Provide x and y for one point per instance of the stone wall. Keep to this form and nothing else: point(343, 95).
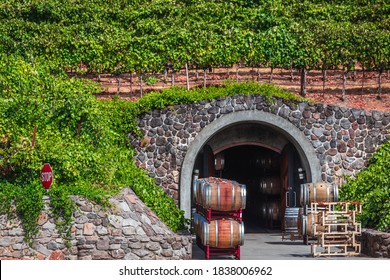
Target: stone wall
point(343, 138)
point(375, 244)
point(128, 230)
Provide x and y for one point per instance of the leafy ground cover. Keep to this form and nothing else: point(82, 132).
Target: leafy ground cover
point(47, 117)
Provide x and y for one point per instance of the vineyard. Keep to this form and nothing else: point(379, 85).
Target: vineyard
point(165, 36)
point(361, 89)
point(49, 113)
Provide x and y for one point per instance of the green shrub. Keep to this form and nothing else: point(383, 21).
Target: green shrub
point(176, 95)
point(93, 162)
point(372, 187)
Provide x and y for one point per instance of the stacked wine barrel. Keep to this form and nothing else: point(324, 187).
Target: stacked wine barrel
point(299, 222)
point(313, 193)
point(217, 221)
point(270, 190)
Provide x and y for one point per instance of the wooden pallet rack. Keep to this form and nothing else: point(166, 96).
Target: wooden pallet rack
point(336, 230)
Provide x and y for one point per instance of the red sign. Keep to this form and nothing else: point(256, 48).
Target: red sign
point(46, 176)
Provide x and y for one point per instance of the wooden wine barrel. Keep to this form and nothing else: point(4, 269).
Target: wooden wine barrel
point(263, 210)
point(222, 195)
point(270, 211)
point(267, 163)
point(223, 233)
point(318, 192)
point(198, 219)
point(309, 222)
point(273, 207)
point(197, 188)
point(270, 185)
point(291, 220)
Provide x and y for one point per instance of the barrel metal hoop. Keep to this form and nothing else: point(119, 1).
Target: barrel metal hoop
point(205, 233)
point(233, 195)
point(304, 225)
point(243, 196)
point(242, 229)
point(231, 233)
point(194, 187)
point(315, 193)
point(207, 195)
point(328, 193)
point(216, 233)
point(302, 196)
point(219, 196)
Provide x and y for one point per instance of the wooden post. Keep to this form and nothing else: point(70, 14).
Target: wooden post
point(118, 79)
point(78, 128)
point(131, 83)
point(345, 72)
point(271, 75)
point(173, 78)
point(204, 77)
point(291, 74)
point(187, 78)
point(34, 137)
point(165, 75)
point(140, 84)
point(380, 84)
point(323, 80)
point(303, 81)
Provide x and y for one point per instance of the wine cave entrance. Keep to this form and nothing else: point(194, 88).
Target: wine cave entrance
point(265, 161)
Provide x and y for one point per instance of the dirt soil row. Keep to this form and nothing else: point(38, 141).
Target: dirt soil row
point(360, 93)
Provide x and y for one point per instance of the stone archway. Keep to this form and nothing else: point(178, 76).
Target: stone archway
point(303, 146)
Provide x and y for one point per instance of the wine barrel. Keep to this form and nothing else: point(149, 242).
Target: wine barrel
point(273, 207)
point(222, 195)
point(270, 185)
point(309, 222)
point(291, 219)
point(223, 233)
point(196, 187)
point(267, 163)
point(270, 211)
point(198, 219)
point(318, 192)
point(263, 211)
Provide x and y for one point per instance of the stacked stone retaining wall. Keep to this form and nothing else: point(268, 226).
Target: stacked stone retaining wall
point(343, 138)
point(127, 230)
point(375, 244)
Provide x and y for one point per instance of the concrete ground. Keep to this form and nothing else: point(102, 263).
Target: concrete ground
point(270, 246)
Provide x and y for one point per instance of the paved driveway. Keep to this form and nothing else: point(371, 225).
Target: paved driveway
point(270, 246)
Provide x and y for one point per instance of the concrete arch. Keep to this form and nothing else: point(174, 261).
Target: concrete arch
point(304, 147)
